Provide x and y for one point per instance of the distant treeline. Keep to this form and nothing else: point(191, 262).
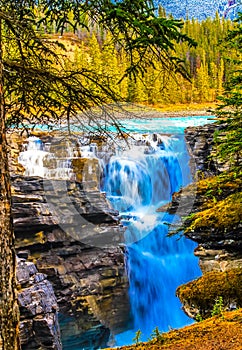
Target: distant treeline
point(206, 63)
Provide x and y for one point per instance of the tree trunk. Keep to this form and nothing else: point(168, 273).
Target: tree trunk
point(9, 315)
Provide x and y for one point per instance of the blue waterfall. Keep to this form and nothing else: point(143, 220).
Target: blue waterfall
point(138, 181)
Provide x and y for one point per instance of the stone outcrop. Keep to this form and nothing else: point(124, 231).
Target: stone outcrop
point(217, 250)
point(15, 142)
point(200, 143)
point(212, 294)
point(220, 250)
point(39, 326)
point(73, 237)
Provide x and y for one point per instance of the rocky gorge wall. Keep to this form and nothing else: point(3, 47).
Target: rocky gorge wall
point(72, 267)
point(219, 251)
point(219, 244)
point(39, 325)
point(216, 251)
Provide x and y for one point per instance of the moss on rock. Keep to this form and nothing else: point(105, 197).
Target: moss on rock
point(199, 296)
point(222, 215)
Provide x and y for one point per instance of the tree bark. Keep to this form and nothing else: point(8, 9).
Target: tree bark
point(9, 315)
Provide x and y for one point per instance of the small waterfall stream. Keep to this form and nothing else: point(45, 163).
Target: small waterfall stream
point(138, 180)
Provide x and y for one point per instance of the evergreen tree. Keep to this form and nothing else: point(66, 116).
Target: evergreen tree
point(230, 111)
point(110, 70)
point(203, 80)
point(220, 78)
point(94, 63)
point(206, 63)
point(36, 86)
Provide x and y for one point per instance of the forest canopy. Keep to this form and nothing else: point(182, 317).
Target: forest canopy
point(102, 56)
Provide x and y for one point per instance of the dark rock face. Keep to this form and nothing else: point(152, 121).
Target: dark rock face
point(39, 326)
point(200, 141)
point(76, 245)
point(217, 250)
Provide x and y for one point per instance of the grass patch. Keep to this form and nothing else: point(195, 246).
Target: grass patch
point(216, 333)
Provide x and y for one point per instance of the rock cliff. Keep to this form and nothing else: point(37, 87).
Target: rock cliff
point(39, 326)
point(69, 231)
point(201, 144)
point(89, 282)
point(214, 197)
point(219, 250)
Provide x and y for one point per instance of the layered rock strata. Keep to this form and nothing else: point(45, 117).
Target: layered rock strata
point(219, 250)
point(201, 145)
point(89, 282)
point(15, 145)
point(70, 232)
point(39, 325)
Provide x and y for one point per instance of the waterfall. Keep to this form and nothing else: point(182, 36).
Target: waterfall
point(53, 160)
point(137, 182)
point(139, 178)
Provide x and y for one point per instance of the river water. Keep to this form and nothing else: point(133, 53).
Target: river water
point(138, 179)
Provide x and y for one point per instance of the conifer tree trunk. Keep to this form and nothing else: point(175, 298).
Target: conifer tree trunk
point(8, 299)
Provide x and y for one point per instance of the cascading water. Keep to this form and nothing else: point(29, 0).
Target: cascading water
point(137, 182)
point(54, 160)
point(38, 160)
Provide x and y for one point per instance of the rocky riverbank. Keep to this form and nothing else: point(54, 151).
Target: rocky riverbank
point(217, 250)
point(69, 237)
